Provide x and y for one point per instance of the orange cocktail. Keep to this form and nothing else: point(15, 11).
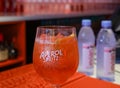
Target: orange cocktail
point(55, 56)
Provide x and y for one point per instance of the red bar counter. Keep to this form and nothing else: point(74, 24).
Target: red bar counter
point(26, 77)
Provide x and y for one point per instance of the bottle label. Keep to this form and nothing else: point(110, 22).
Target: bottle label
point(3, 55)
point(87, 56)
point(109, 60)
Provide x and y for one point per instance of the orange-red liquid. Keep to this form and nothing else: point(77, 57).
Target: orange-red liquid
point(59, 68)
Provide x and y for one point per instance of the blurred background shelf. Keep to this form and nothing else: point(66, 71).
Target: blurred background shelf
point(17, 31)
point(24, 17)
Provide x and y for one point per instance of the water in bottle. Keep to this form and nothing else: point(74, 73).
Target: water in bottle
point(86, 41)
point(106, 44)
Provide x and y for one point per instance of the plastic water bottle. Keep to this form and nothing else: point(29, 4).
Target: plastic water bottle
point(86, 41)
point(106, 44)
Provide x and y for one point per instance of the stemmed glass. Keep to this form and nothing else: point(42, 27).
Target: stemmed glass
point(55, 55)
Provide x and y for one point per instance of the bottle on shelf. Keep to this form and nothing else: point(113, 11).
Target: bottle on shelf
point(59, 5)
point(36, 7)
point(39, 6)
point(53, 6)
point(3, 49)
point(13, 6)
point(33, 7)
point(56, 6)
point(1, 6)
point(86, 41)
point(76, 5)
point(27, 7)
point(13, 51)
point(106, 44)
point(7, 6)
point(46, 6)
point(10, 6)
point(19, 7)
point(67, 6)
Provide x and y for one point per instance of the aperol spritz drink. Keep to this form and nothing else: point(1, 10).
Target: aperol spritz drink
point(55, 55)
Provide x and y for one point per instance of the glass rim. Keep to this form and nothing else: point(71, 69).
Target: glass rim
point(56, 26)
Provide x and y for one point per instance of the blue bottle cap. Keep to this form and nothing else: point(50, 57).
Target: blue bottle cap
point(106, 23)
point(86, 22)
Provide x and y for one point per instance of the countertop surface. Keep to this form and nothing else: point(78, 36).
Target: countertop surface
point(26, 77)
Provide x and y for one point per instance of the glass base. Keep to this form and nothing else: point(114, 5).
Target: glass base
point(56, 86)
